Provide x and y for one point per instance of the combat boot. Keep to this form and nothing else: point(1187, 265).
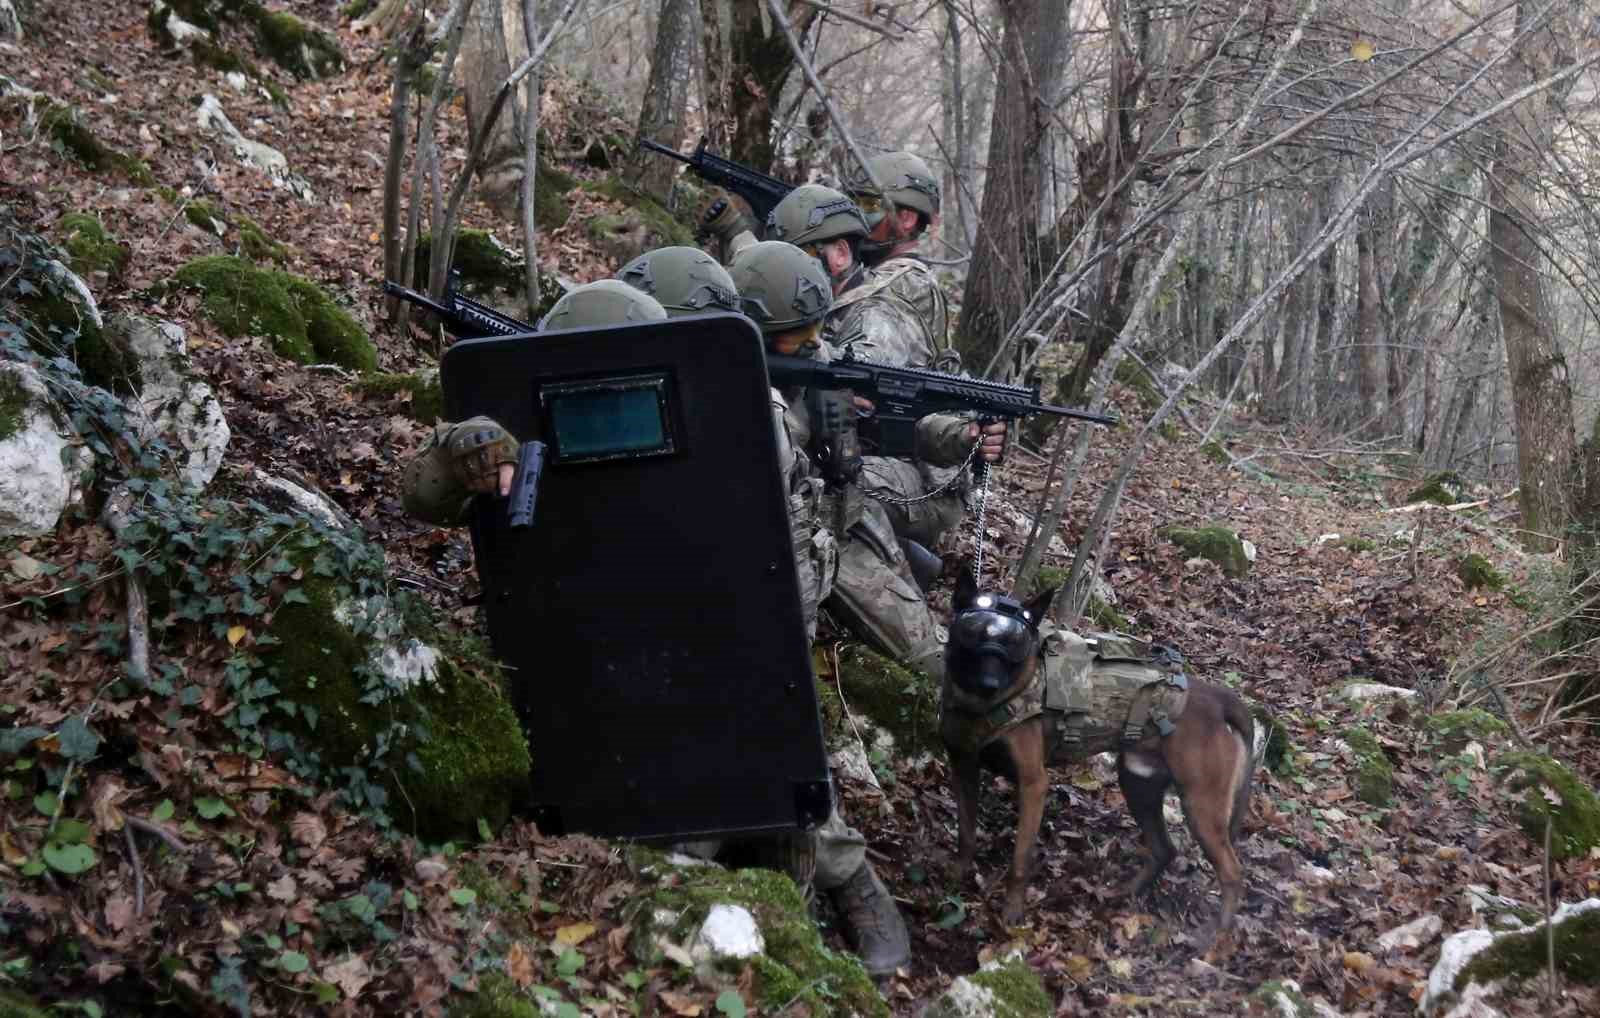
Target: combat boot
point(872, 923)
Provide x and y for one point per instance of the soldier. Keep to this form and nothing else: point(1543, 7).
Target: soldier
point(479, 456)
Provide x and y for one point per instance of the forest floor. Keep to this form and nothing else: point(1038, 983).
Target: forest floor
point(1326, 873)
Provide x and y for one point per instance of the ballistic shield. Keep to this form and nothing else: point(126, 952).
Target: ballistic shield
point(651, 615)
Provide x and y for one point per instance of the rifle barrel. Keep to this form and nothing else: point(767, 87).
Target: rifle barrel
point(656, 146)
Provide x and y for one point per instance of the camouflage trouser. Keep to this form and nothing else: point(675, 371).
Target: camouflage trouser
point(875, 595)
point(924, 522)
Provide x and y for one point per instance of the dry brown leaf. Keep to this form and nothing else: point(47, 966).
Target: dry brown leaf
point(105, 971)
point(119, 912)
point(1359, 961)
point(283, 889)
point(520, 964)
point(680, 1003)
point(350, 975)
point(309, 830)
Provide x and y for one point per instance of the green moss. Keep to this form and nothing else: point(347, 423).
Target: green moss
point(64, 126)
point(1017, 990)
point(427, 397)
point(91, 248)
point(1517, 957)
point(796, 967)
point(206, 216)
point(206, 53)
point(900, 701)
point(1552, 793)
point(497, 997)
point(242, 300)
point(1356, 544)
point(256, 245)
point(1105, 617)
point(66, 330)
point(1374, 774)
point(667, 230)
point(1170, 430)
point(488, 268)
point(297, 315)
point(1269, 995)
point(1453, 730)
point(1443, 488)
point(299, 48)
point(357, 8)
point(1214, 452)
point(1276, 756)
point(1476, 572)
point(473, 759)
point(495, 898)
point(1217, 544)
point(15, 1005)
point(1133, 375)
point(13, 403)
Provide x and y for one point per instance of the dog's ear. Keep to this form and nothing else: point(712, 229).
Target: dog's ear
point(1038, 606)
point(966, 587)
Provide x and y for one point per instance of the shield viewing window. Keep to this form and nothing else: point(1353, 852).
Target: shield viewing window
point(609, 418)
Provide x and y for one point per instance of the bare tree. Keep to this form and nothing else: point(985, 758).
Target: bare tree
point(666, 97)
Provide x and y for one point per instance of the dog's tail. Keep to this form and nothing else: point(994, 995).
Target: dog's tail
point(1238, 718)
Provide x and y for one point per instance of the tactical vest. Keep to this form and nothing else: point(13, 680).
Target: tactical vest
point(1111, 689)
point(908, 283)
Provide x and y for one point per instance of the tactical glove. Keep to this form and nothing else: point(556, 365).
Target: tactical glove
point(724, 219)
point(476, 448)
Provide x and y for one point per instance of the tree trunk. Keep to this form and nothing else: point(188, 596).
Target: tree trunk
point(1541, 391)
point(998, 281)
point(760, 62)
point(1369, 352)
point(486, 63)
point(715, 69)
point(666, 98)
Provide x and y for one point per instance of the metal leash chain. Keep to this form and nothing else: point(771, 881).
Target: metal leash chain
point(977, 533)
point(881, 494)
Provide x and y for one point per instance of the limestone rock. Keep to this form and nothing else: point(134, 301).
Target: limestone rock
point(172, 402)
point(729, 934)
point(1412, 935)
point(1474, 964)
point(35, 481)
point(10, 19)
point(309, 501)
point(1358, 692)
point(265, 158)
point(1282, 998)
point(1004, 988)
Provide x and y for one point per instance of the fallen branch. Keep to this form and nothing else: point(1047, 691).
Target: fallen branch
point(150, 827)
point(138, 870)
point(138, 607)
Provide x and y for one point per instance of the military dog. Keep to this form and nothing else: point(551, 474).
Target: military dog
point(995, 651)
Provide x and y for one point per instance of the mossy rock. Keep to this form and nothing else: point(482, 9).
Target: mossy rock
point(65, 329)
point(1214, 452)
point(1374, 774)
point(661, 224)
point(1282, 998)
point(301, 320)
point(497, 997)
point(1522, 956)
point(255, 245)
point(489, 271)
point(207, 216)
point(1133, 375)
point(1214, 543)
point(91, 248)
point(797, 968)
point(14, 401)
point(900, 701)
point(1453, 730)
point(472, 758)
point(1277, 757)
point(300, 48)
point(1552, 794)
point(1007, 990)
point(206, 14)
point(65, 127)
point(427, 396)
point(1478, 573)
point(1356, 544)
point(1444, 488)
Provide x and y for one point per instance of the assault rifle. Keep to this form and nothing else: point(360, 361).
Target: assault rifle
point(903, 396)
point(761, 191)
point(463, 317)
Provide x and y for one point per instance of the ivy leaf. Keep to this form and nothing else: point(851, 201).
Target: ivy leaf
point(163, 812)
point(72, 832)
point(210, 808)
point(77, 741)
point(484, 832)
point(731, 1004)
point(69, 859)
point(293, 962)
point(463, 896)
point(15, 740)
point(570, 962)
point(46, 803)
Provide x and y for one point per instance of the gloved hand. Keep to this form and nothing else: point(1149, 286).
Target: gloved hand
point(482, 454)
point(724, 219)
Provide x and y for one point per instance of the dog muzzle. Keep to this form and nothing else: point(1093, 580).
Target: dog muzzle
point(988, 643)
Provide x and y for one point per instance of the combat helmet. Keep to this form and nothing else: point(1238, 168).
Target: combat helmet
point(812, 213)
point(603, 302)
point(780, 286)
point(685, 280)
point(903, 178)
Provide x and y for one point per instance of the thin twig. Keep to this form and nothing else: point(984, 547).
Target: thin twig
point(838, 681)
point(138, 870)
point(173, 841)
point(822, 95)
point(854, 19)
point(1549, 921)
